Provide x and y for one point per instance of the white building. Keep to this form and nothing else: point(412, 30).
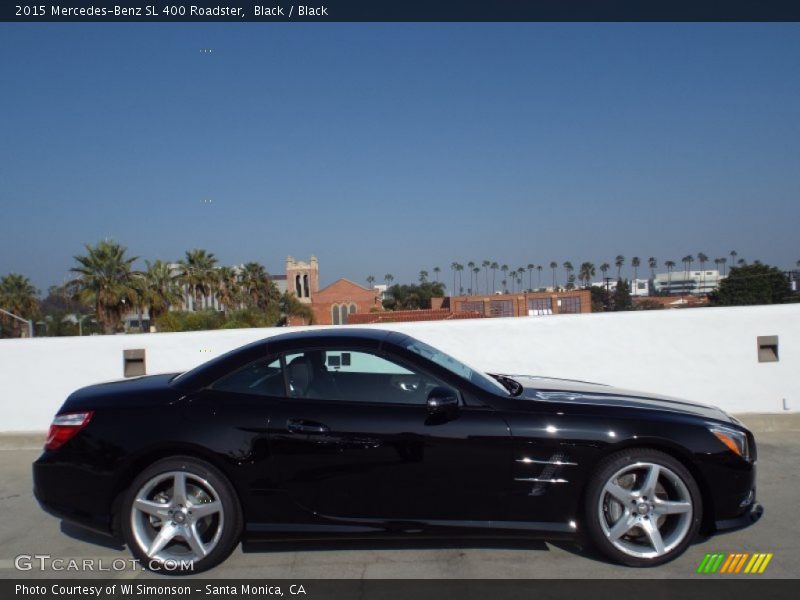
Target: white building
point(680, 282)
point(639, 287)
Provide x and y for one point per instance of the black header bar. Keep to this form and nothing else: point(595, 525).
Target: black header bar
point(153, 11)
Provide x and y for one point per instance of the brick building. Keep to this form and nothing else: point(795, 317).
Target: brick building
point(521, 305)
point(335, 304)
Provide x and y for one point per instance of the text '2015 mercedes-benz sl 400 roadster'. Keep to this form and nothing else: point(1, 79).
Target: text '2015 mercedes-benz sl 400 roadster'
point(366, 432)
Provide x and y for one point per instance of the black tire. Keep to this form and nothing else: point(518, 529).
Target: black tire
point(230, 523)
point(594, 511)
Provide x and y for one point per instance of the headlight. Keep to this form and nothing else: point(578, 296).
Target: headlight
point(734, 440)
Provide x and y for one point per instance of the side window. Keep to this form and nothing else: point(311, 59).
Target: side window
point(356, 376)
point(263, 377)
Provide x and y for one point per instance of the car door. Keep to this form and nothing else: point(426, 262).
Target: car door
point(353, 440)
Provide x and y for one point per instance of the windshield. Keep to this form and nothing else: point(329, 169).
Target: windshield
point(455, 366)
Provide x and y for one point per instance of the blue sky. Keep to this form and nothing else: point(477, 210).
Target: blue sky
point(388, 148)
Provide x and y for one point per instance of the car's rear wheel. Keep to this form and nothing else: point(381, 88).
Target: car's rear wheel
point(181, 516)
point(643, 507)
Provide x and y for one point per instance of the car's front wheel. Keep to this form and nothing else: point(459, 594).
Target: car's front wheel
point(181, 516)
point(643, 507)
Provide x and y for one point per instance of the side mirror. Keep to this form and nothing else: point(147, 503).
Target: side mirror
point(443, 400)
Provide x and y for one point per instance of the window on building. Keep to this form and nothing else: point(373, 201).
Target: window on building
point(471, 306)
point(336, 318)
point(501, 308)
point(263, 377)
point(570, 304)
point(540, 306)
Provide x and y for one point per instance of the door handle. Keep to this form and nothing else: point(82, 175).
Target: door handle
point(304, 426)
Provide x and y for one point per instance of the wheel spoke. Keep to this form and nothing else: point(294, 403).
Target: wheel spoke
point(194, 541)
point(619, 493)
point(671, 507)
point(654, 535)
point(621, 527)
point(206, 509)
point(165, 535)
point(651, 481)
point(179, 488)
point(155, 509)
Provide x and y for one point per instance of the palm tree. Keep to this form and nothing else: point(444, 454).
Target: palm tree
point(635, 262)
point(504, 270)
point(197, 270)
point(163, 291)
point(568, 268)
point(388, 278)
point(460, 269)
point(733, 254)
point(18, 296)
point(423, 276)
point(702, 259)
point(530, 269)
point(476, 269)
point(471, 267)
point(538, 276)
point(371, 280)
point(619, 261)
point(486, 264)
point(436, 271)
point(687, 266)
point(653, 264)
point(586, 273)
point(604, 269)
point(721, 261)
point(670, 264)
point(494, 266)
point(554, 266)
point(105, 281)
point(256, 285)
point(228, 288)
point(454, 267)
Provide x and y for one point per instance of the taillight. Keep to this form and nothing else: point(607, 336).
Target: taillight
point(64, 428)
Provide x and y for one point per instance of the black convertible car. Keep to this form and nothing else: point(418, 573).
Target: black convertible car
point(368, 432)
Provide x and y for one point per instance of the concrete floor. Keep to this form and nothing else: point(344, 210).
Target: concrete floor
point(25, 529)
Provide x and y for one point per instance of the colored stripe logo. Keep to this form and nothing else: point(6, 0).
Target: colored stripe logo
point(735, 563)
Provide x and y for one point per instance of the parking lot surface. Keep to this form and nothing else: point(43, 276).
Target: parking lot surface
point(26, 530)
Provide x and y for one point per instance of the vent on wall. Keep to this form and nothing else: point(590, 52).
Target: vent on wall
point(134, 363)
point(768, 348)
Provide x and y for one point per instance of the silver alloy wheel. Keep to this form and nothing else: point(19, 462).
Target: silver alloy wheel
point(177, 516)
point(645, 510)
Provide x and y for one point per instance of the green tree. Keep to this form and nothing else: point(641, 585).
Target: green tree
point(471, 267)
point(636, 263)
point(553, 267)
point(18, 296)
point(412, 296)
point(371, 280)
point(423, 276)
point(752, 284)
point(486, 264)
point(105, 281)
point(494, 266)
point(163, 290)
point(621, 298)
point(586, 273)
point(619, 261)
point(670, 264)
point(198, 271)
point(601, 299)
point(653, 264)
point(436, 271)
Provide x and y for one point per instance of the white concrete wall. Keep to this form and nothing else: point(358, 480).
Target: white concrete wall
point(707, 355)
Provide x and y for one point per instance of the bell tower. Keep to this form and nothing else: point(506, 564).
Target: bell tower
point(302, 278)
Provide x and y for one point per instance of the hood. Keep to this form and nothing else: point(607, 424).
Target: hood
point(597, 394)
point(149, 390)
